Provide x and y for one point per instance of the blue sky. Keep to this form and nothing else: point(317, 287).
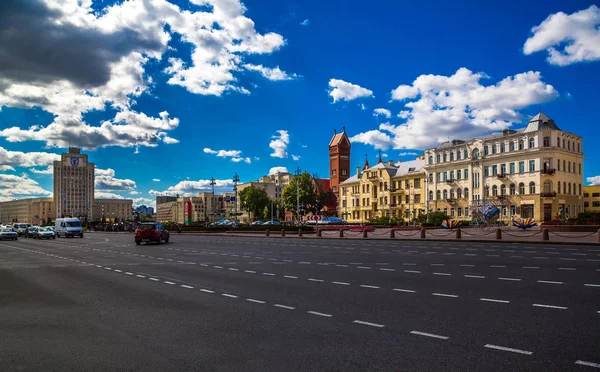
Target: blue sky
point(165, 96)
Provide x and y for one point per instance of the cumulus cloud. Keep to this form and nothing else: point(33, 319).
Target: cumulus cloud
point(107, 195)
point(155, 180)
point(273, 74)
point(276, 170)
point(408, 154)
point(239, 159)
point(296, 157)
point(18, 187)
point(144, 201)
point(105, 181)
point(134, 192)
point(10, 159)
point(382, 112)
point(457, 106)
point(341, 90)
point(305, 23)
point(69, 58)
point(191, 188)
point(235, 155)
point(47, 170)
point(279, 144)
point(567, 38)
point(594, 181)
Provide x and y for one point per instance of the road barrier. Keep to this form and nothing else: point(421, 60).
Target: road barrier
point(299, 233)
point(392, 234)
point(268, 232)
point(545, 235)
point(498, 234)
point(282, 232)
point(341, 233)
point(422, 233)
point(458, 234)
point(365, 234)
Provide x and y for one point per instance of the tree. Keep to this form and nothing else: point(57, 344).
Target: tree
point(307, 193)
point(433, 218)
point(254, 199)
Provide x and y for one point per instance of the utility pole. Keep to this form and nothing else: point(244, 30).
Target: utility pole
point(271, 209)
point(212, 200)
point(236, 180)
point(298, 196)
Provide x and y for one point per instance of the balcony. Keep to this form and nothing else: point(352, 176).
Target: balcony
point(548, 195)
point(548, 171)
point(502, 176)
point(450, 181)
point(501, 197)
point(450, 200)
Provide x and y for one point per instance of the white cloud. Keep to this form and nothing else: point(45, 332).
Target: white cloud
point(47, 170)
point(134, 193)
point(191, 188)
point(239, 159)
point(568, 38)
point(273, 74)
point(223, 153)
point(144, 201)
point(305, 23)
point(155, 180)
point(10, 159)
point(105, 181)
point(107, 195)
point(296, 157)
point(17, 187)
point(276, 170)
point(408, 154)
point(102, 58)
point(279, 144)
point(594, 181)
point(458, 106)
point(383, 112)
point(256, 158)
point(344, 91)
point(362, 107)
point(384, 155)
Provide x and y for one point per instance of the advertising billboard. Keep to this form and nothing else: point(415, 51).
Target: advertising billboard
point(187, 213)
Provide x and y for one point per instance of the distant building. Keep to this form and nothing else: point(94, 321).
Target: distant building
point(202, 208)
point(272, 184)
point(591, 199)
point(165, 199)
point(74, 185)
point(113, 210)
point(36, 211)
point(143, 209)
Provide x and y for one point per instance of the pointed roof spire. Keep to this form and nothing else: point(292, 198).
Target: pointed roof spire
point(366, 166)
point(379, 161)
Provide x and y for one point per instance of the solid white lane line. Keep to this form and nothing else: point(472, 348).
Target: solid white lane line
point(315, 280)
point(403, 290)
point(510, 279)
point(474, 276)
point(494, 300)
point(409, 264)
point(154, 279)
point(228, 295)
point(218, 267)
point(290, 277)
point(592, 285)
point(412, 271)
point(368, 323)
point(304, 263)
point(550, 306)
point(386, 269)
point(443, 274)
point(284, 307)
point(490, 346)
point(207, 291)
point(187, 286)
point(166, 282)
point(341, 283)
point(255, 301)
point(369, 286)
point(566, 259)
point(429, 335)
point(549, 282)
point(319, 314)
point(588, 364)
point(342, 266)
point(98, 266)
point(444, 295)
point(140, 276)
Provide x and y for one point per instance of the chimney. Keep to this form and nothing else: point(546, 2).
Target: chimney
point(358, 171)
point(391, 162)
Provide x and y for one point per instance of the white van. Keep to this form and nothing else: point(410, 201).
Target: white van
point(68, 227)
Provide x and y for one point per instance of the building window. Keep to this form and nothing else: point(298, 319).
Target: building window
point(532, 187)
point(458, 155)
point(467, 154)
point(513, 210)
point(586, 204)
point(445, 157)
point(512, 189)
point(438, 195)
point(476, 180)
point(596, 204)
point(512, 168)
point(569, 145)
point(431, 160)
point(503, 190)
point(547, 187)
point(494, 190)
point(445, 193)
point(458, 174)
point(459, 193)
point(531, 142)
point(503, 169)
point(417, 198)
point(407, 183)
point(569, 163)
point(407, 199)
point(527, 211)
point(438, 158)
point(494, 170)
point(580, 189)
point(466, 193)
point(344, 172)
point(558, 188)
point(486, 150)
point(521, 167)
point(476, 154)
point(451, 193)
point(502, 147)
point(579, 168)
point(564, 147)
point(466, 174)
point(546, 141)
point(532, 165)
point(521, 188)
point(569, 189)
point(511, 146)
point(578, 147)
point(486, 191)
point(459, 211)
point(438, 177)
point(452, 156)
point(494, 146)
point(486, 171)
point(451, 212)
point(430, 195)
point(333, 171)
point(521, 145)
point(451, 175)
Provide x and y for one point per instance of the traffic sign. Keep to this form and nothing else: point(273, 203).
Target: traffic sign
point(228, 199)
point(314, 218)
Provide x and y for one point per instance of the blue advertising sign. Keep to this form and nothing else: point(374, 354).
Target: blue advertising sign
point(489, 211)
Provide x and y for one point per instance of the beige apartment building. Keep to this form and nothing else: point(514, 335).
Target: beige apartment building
point(273, 186)
point(204, 207)
point(74, 185)
point(113, 210)
point(591, 199)
point(35, 211)
point(387, 189)
point(533, 172)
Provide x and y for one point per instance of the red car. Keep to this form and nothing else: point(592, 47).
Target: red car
point(151, 232)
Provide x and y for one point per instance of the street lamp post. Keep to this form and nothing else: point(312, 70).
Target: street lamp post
point(212, 200)
point(236, 180)
point(391, 190)
point(298, 196)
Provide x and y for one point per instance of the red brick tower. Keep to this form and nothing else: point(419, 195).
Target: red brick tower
point(339, 160)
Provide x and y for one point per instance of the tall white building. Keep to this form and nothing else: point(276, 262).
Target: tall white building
point(74, 185)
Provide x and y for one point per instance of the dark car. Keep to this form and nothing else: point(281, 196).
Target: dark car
point(44, 233)
point(31, 231)
point(151, 232)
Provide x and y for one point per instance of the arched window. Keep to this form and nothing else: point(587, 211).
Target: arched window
point(430, 195)
point(459, 193)
point(486, 191)
point(569, 145)
point(512, 189)
point(458, 155)
point(466, 154)
point(558, 188)
point(475, 154)
point(502, 147)
point(452, 156)
point(494, 190)
point(438, 195)
point(521, 188)
point(532, 187)
point(546, 141)
point(445, 194)
point(564, 147)
point(431, 160)
point(511, 146)
point(503, 190)
point(521, 145)
point(445, 157)
point(451, 193)
point(531, 142)
point(466, 193)
point(558, 143)
point(547, 186)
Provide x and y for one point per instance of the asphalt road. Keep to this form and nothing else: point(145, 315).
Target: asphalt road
point(216, 303)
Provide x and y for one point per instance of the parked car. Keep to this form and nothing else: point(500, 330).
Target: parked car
point(7, 233)
point(53, 230)
point(272, 223)
point(31, 231)
point(21, 228)
point(68, 227)
point(44, 233)
point(256, 223)
point(151, 232)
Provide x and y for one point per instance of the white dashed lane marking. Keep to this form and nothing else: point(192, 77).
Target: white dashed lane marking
point(444, 295)
point(368, 323)
point(550, 306)
point(319, 314)
point(284, 307)
point(432, 335)
point(494, 300)
point(341, 283)
point(490, 346)
point(588, 364)
point(549, 282)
